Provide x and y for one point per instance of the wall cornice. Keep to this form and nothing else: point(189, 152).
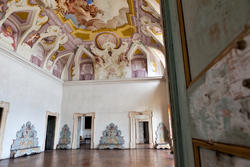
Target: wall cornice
point(116, 81)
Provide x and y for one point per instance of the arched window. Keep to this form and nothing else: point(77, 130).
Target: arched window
point(139, 64)
point(86, 68)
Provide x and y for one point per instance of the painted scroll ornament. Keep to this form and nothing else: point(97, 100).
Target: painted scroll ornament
point(65, 138)
point(111, 138)
point(26, 142)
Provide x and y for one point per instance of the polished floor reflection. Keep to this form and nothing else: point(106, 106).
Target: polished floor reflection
point(94, 158)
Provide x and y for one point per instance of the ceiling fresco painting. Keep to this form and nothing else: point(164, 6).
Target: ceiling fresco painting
point(86, 39)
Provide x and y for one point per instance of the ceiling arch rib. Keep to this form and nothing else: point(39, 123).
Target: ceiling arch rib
point(77, 60)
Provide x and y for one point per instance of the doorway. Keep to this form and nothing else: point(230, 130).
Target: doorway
point(142, 135)
point(50, 133)
point(141, 130)
point(4, 109)
point(1, 114)
point(83, 135)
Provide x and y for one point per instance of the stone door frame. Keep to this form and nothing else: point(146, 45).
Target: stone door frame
point(75, 125)
point(133, 126)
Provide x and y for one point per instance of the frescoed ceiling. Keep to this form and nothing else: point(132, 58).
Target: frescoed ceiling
point(86, 39)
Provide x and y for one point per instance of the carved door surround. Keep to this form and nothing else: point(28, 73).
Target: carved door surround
point(74, 139)
point(5, 106)
point(134, 120)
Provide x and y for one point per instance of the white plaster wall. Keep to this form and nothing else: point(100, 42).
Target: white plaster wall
point(31, 93)
point(112, 101)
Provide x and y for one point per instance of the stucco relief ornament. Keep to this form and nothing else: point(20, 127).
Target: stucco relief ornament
point(111, 62)
point(49, 40)
point(149, 27)
point(111, 138)
point(154, 10)
point(21, 5)
point(26, 142)
point(65, 139)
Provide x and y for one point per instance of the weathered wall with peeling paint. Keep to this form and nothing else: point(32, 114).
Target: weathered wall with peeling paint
point(210, 26)
point(220, 105)
point(215, 159)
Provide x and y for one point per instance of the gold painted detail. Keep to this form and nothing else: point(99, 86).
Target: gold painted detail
point(53, 57)
point(155, 66)
point(138, 52)
point(72, 71)
point(155, 32)
point(22, 15)
point(61, 48)
point(153, 40)
point(85, 56)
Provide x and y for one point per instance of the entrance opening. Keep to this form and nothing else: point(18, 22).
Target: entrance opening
point(141, 132)
point(142, 135)
point(1, 114)
point(145, 133)
point(50, 135)
point(85, 132)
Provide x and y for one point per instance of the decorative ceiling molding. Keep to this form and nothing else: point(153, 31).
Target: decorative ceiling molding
point(152, 29)
point(152, 7)
point(43, 34)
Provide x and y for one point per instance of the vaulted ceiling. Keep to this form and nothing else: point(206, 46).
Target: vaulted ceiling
point(86, 39)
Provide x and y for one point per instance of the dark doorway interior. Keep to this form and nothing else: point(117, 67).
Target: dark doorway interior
point(85, 139)
point(145, 132)
point(88, 121)
point(1, 116)
point(143, 135)
point(50, 135)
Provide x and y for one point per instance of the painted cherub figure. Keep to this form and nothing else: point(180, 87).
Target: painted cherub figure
point(92, 8)
point(2, 13)
point(32, 39)
point(8, 34)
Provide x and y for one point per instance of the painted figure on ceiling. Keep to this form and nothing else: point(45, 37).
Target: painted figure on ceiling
point(83, 10)
point(32, 39)
point(2, 12)
point(8, 35)
point(91, 14)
